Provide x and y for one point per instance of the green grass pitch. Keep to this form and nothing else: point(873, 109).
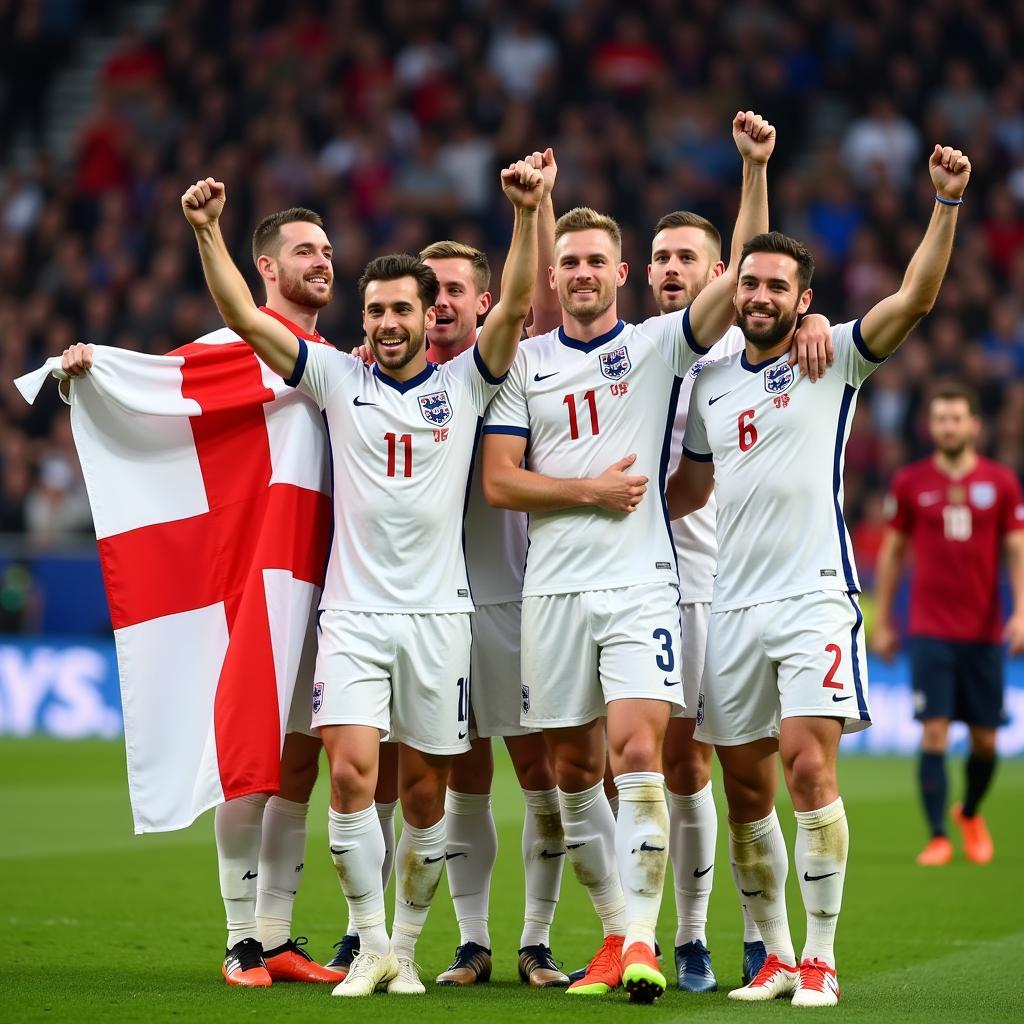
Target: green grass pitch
point(96, 924)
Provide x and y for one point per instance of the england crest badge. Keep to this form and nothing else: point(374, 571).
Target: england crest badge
point(526, 698)
point(778, 378)
point(436, 408)
point(318, 697)
point(615, 365)
point(982, 494)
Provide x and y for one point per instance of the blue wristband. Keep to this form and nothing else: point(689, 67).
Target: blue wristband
point(948, 202)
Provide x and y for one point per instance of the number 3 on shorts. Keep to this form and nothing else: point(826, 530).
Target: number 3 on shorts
point(666, 662)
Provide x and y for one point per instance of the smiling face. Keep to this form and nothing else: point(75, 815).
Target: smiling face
point(459, 304)
point(396, 325)
point(683, 261)
point(768, 299)
point(300, 272)
point(587, 273)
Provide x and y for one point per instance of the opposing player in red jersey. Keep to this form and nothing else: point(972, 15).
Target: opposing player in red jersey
point(958, 511)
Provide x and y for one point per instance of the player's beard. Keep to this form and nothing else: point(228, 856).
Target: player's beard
point(766, 334)
point(672, 302)
point(952, 450)
point(295, 289)
point(587, 313)
point(400, 358)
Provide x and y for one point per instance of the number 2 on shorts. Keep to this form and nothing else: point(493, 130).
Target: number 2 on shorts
point(837, 656)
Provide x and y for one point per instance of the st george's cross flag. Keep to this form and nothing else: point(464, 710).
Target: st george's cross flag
point(209, 485)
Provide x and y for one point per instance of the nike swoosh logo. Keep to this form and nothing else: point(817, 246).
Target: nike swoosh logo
point(462, 735)
point(711, 401)
point(548, 855)
point(432, 860)
point(249, 875)
point(338, 853)
point(668, 683)
point(755, 892)
point(452, 856)
point(836, 698)
point(574, 846)
point(646, 847)
point(539, 377)
point(701, 874)
point(356, 401)
point(818, 878)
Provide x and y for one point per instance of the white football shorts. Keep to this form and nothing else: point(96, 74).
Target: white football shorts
point(497, 679)
point(802, 656)
point(582, 651)
point(693, 629)
point(406, 675)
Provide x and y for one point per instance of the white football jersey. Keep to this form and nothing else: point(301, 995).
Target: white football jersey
point(694, 535)
point(401, 453)
point(583, 406)
point(778, 443)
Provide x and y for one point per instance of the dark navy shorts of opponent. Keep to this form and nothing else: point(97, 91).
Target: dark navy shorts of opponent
point(957, 680)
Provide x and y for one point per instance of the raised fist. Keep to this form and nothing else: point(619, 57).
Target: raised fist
point(950, 171)
point(203, 202)
point(545, 163)
point(523, 184)
point(754, 136)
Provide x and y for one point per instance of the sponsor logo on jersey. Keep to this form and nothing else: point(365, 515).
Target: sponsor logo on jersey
point(526, 699)
point(926, 498)
point(778, 378)
point(436, 408)
point(982, 494)
point(615, 364)
point(318, 697)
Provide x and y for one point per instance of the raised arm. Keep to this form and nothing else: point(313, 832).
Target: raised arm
point(202, 204)
point(886, 325)
point(547, 313)
point(689, 486)
point(712, 311)
point(888, 569)
point(1013, 634)
point(499, 339)
point(507, 485)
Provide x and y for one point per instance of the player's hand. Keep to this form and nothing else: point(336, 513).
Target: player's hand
point(812, 346)
point(203, 202)
point(950, 171)
point(1013, 634)
point(616, 491)
point(76, 360)
point(545, 163)
point(754, 136)
point(885, 641)
point(365, 353)
point(523, 184)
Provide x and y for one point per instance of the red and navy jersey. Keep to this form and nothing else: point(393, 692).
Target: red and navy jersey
point(956, 529)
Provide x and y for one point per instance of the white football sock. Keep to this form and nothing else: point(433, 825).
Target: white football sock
point(282, 853)
point(751, 933)
point(822, 846)
point(589, 829)
point(470, 856)
point(761, 863)
point(357, 849)
point(543, 854)
point(613, 803)
point(420, 858)
point(693, 834)
point(237, 826)
point(641, 849)
point(386, 816)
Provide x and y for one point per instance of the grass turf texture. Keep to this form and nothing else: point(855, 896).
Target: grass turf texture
point(98, 924)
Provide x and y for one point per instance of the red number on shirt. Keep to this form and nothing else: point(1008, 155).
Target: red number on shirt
point(574, 429)
point(748, 432)
point(837, 656)
point(393, 442)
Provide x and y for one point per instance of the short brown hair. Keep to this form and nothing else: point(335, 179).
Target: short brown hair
point(266, 239)
point(952, 390)
point(394, 267)
point(686, 219)
point(777, 242)
point(582, 218)
point(448, 250)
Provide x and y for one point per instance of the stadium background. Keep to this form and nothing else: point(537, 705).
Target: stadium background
point(392, 118)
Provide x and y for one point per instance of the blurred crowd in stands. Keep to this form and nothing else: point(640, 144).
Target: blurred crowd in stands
point(393, 117)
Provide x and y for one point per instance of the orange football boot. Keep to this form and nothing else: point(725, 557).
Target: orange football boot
point(939, 851)
point(978, 845)
point(604, 972)
point(243, 965)
point(291, 962)
point(641, 974)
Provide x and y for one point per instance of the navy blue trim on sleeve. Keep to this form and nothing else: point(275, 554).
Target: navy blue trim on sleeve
point(494, 428)
point(697, 456)
point(482, 367)
point(862, 345)
point(300, 364)
point(688, 334)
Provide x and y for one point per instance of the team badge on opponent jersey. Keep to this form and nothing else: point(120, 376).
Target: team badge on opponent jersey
point(982, 494)
point(318, 697)
point(615, 364)
point(436, 408)
point(778, 378)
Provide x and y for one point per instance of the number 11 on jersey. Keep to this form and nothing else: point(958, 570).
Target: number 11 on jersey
point(405, 440)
